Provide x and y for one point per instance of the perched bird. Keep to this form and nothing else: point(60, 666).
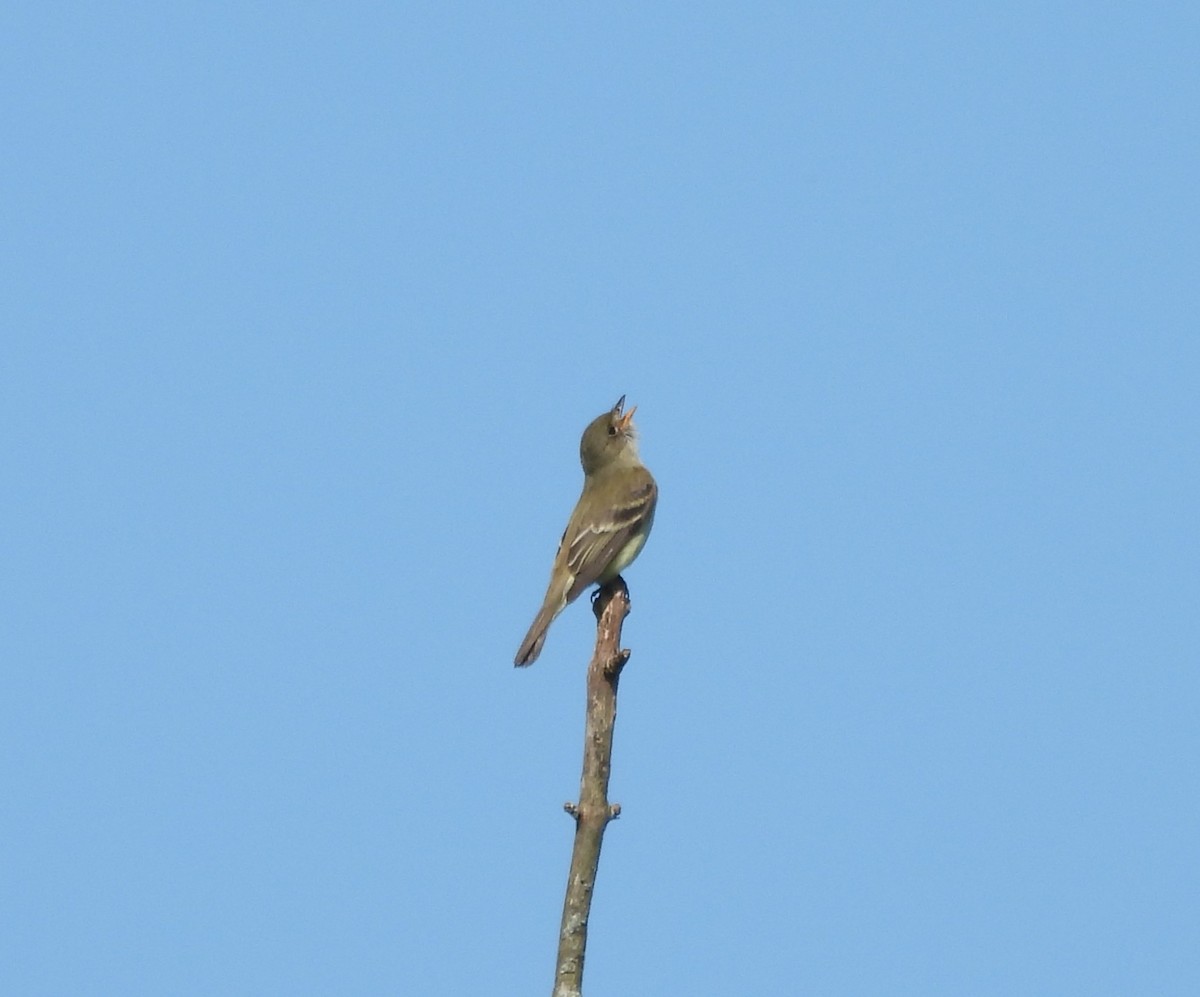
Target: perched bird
point(609, 526)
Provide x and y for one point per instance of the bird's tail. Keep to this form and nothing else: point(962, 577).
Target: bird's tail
point(531, 646)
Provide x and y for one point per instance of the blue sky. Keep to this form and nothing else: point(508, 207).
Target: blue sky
point(305, 307)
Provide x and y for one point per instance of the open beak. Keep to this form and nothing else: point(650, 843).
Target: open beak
point(623, 420)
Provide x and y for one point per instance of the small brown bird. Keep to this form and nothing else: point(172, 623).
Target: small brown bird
point(609, 526)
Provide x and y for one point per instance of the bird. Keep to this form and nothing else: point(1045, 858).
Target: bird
point(610, 523)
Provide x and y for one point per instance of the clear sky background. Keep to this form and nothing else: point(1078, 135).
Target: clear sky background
point(304, 309)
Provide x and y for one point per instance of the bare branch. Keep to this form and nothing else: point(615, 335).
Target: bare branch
point(593, 812)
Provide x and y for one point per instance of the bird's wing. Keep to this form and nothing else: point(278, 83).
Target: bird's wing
point(591, 546)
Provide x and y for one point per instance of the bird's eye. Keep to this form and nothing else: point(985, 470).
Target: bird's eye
point(612, 430)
